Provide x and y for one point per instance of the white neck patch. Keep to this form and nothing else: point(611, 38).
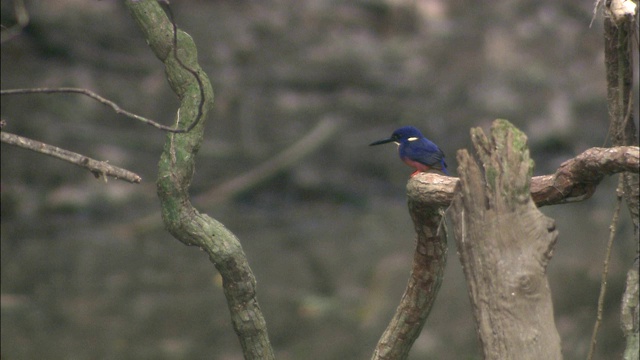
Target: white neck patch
point(413, 138)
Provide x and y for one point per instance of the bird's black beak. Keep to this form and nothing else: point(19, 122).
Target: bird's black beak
point(383, 141)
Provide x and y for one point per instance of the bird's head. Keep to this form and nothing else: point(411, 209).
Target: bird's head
point(401, 135)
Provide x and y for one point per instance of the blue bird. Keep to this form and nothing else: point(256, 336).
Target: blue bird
point(416, 150)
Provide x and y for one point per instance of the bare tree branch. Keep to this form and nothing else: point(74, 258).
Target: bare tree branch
point(96, 97)
point(291, 155)
point(23, 18)
point(98, 168)
point(575, 180)
point(605, 269)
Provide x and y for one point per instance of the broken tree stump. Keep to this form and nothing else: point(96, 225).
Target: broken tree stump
point(504, 244)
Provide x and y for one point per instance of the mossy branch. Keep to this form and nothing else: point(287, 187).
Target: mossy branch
point(175, 171)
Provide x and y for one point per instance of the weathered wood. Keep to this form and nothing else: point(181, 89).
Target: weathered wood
point(620, 34)
point(429, 260)
point(504, 244)
point(575, 180)
point(618, 49)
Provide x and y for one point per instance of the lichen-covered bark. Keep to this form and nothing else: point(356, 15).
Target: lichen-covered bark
point(175, 171)
point(504, 244)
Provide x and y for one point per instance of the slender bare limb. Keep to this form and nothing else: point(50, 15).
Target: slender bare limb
point(94, 96)
point(291, 155)
point(280, 162)
point(98, 168)
point(605, 271)
point(23, 18)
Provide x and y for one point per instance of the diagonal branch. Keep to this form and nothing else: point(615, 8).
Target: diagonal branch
point(97, 167)
point(317, 137)
point(94, 96)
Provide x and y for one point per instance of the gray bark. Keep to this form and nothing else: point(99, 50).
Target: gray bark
point(505, 244)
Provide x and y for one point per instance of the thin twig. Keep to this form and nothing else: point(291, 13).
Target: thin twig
point(115, 106)
point(318, 136)
point(94, 96)
point(605, 271)
point(97, 167)
point(280, 162)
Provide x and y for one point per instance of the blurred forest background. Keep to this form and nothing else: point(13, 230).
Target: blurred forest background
point(329, 238)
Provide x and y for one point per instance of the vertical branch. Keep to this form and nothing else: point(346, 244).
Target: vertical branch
point(175, 172)
point(504, 244)
point(620, 29)
point(605, 271)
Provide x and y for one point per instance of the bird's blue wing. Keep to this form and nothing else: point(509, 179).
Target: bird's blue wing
point(426, 152)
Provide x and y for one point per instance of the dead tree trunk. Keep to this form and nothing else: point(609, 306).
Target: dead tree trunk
point(505, 243)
